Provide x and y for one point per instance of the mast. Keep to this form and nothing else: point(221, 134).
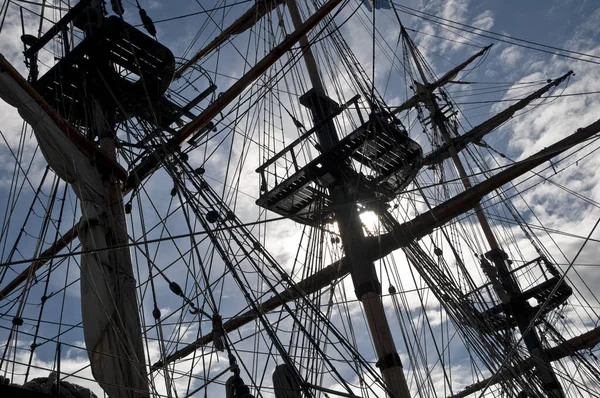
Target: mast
point(451, 74)
point(503, 282)
point(125, 323)
point(362, 269)
point(116, 349)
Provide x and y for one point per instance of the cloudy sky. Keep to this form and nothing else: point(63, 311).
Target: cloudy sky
point(560, 203)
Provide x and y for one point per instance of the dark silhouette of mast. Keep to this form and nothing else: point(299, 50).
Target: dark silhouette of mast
point(364, 276)
point(498, 271)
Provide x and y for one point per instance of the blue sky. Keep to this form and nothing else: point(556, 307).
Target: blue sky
point(566, 24)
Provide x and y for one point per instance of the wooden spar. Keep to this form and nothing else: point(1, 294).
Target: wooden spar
point(307, 54)
point(565, 349)
point(228, 96)
point(362, 269)
point(247, 20)
point(312, 284)
point(478, 132)
point(203, 119)
point(503, 283)
point(28, 272)
point(402, 236)
point(254, 73)
point(414, 100)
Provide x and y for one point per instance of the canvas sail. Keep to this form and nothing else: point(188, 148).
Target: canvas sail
point(110, 316)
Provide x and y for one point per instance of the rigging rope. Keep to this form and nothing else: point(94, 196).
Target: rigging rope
point(496, 36)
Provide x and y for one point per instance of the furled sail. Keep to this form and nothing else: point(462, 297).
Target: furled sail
point(109, 307)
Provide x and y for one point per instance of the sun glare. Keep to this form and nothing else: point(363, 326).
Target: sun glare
point(370, 221)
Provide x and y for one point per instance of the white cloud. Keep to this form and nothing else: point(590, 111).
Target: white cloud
point(485, 20)
point(510, 56)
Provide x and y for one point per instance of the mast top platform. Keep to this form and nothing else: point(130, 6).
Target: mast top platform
point(550, 294)
point(381, 149)
point(125, 70)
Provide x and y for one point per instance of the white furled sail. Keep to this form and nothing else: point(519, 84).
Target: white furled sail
point(109, 306)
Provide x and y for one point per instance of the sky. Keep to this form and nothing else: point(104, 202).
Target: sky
point(566, 201)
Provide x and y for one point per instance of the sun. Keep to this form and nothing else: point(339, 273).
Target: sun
point(370, 221)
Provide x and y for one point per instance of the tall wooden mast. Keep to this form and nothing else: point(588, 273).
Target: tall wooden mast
point(502, 280)
point(362, 269)
point(126, 322)
point(89, 87)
